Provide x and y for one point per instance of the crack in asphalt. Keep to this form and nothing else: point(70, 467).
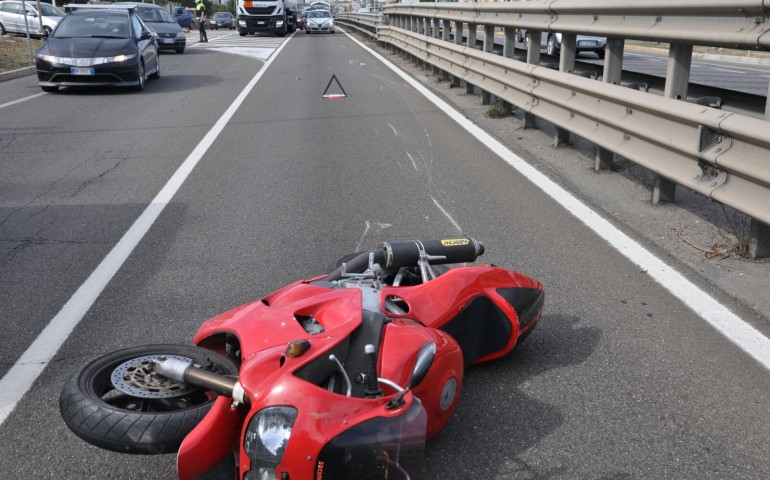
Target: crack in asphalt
point(29, 242)
point(96, 156)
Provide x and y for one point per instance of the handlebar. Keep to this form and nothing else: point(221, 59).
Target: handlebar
point(406, 253)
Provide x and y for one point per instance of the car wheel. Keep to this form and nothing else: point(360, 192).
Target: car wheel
point(2, 29)
point(50, 89)
point(552, 48)
point(156, 75)
point(243, 34)
point(140, 87)
point(47, 30)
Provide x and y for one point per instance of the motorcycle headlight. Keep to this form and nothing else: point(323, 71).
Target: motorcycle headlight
point(265, 441)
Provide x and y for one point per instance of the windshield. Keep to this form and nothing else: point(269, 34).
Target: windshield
point(50, 10)
point(154, 15)
point(377, 449)
point(221, 15)
point(97, 25)
point(318, 14)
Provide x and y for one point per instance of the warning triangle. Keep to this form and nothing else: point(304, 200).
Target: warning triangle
point(334, 93)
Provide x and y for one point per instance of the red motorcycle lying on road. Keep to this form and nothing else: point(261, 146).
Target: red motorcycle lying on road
point(339, 376)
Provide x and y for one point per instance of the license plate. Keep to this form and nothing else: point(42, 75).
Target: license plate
point(168, 40)
point(587, 43)
point(82, 71)
point(260, 22)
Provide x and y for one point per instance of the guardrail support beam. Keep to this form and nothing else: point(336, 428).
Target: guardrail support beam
point(678, 71)
point(472, 35)
point(759, 240)
point(613, 69)
point(533, 57)
point(458, 33)
point(663, 191)
point(566, 65)
point(509, 44)
point(489, 38)
point(767, 105)
point(677, 83)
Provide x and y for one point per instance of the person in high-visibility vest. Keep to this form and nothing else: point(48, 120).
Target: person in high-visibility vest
point(200, 10)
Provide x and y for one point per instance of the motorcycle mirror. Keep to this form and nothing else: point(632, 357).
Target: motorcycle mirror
point(421, 366)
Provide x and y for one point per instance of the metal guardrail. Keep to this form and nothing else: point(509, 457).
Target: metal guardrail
point(720, 23)
point(722, 155)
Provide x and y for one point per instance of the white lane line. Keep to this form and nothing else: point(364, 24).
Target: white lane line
point(22, 100)
point(30, 365)
point(746, 337)
point(394, 129)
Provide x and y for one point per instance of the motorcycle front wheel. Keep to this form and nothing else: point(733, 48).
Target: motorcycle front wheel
point(118, 403)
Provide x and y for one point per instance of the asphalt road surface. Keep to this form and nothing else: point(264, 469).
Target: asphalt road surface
point(620, 380)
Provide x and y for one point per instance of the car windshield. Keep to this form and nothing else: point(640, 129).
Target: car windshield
point(50, 11)
point(97, 25)
point(221, 15)
point(154, 15)
point(318, 14)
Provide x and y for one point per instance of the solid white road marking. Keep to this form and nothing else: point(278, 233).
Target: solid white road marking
point(22, 100)
point(30, 365)
point(746, 337)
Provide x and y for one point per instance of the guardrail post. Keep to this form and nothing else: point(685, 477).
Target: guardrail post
point(446, 27)
point(458, 33)
point(767, 105)
point(509, 44)
point(567, 65)
point(489, 44)
point(677, 82)
point(489, 38)
point(533, 57)
point(458, 39)
point(759, 239)
point(613, 68)
point(472, 35)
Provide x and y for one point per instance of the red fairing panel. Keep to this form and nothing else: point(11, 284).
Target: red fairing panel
point(440, 389)
point(211, 440)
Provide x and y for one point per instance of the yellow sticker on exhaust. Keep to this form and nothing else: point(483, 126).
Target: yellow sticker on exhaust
point(454, 242)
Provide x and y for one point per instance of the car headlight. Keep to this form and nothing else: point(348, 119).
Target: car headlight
point(266, 439)
point(180, 34)
point(279, 23)
point(241, 23)
point(85, 62)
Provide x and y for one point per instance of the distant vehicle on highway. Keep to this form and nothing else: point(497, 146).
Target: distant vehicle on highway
point(222, 20)
point(12, 17)
point(319, 21)
point(164, 28)
point(552, 43)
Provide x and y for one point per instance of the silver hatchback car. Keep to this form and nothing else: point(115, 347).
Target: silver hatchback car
point(12, 17)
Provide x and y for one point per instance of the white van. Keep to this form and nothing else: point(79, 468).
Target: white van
point(12, 17)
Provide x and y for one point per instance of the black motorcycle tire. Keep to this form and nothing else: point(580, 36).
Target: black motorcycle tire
point(134, 425)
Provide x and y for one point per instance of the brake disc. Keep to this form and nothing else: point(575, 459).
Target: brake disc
point(137, 378)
